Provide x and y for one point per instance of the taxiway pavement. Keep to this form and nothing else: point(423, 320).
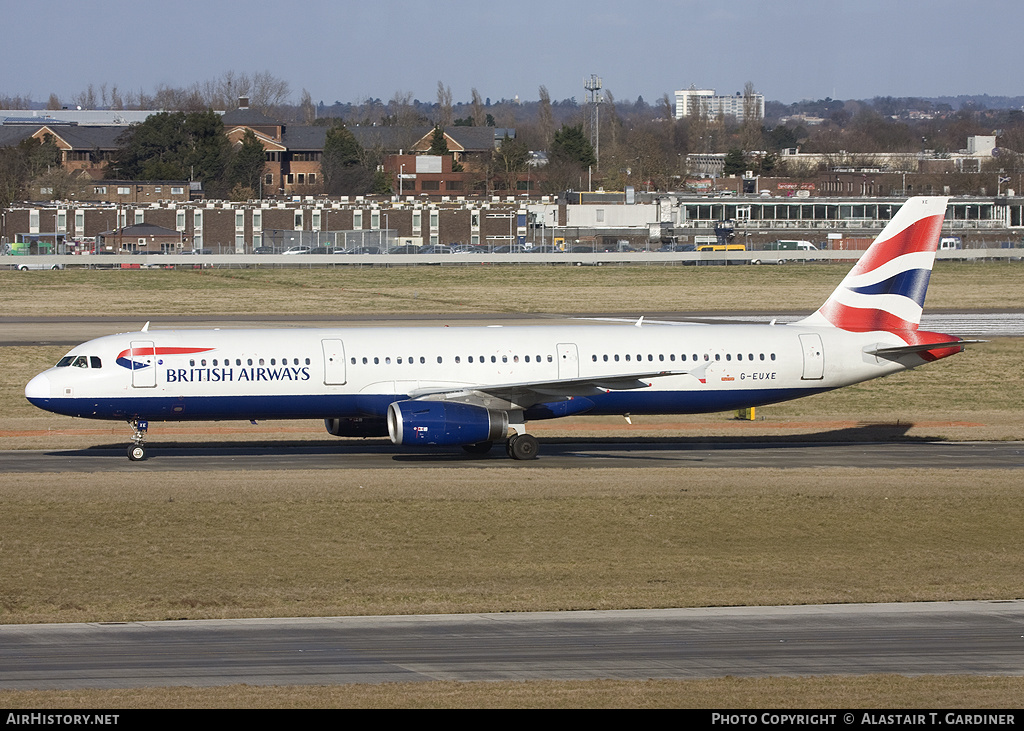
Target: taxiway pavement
point(970, 638)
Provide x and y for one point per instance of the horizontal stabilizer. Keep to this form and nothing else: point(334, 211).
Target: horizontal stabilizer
point(920, 347)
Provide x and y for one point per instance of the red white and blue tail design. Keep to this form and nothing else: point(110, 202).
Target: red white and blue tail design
point(887, 287)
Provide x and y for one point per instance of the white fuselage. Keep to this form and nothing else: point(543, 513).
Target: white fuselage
point(358, 372)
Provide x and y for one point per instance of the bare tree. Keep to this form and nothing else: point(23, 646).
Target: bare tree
point(610, 121)
point(268, 92)
point(86, 99)
point(401, 110)
point(176, 99)
point(479, 115)
point(265, 92)
point(444, 105)
point(750, 131)
point(544, 118)
point(667, 107)
point(307, 110)
point(15, 102)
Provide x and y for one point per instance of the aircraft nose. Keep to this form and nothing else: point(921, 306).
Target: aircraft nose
point(38, 387)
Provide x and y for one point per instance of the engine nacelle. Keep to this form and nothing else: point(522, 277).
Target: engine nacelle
point(444, 423)
point(357, 426)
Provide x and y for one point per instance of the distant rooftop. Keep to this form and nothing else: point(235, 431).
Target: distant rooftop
point(91, 117)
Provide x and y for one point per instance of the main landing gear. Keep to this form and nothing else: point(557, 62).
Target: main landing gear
point(522, 446)
point(518, 446)
point(137, 450)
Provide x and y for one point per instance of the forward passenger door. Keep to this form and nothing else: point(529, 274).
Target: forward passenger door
point(334, 362)
point(143, 360)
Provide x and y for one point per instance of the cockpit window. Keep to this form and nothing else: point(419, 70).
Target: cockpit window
point(80, 361)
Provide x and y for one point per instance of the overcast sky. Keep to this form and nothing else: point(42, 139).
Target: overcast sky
point(348, 51)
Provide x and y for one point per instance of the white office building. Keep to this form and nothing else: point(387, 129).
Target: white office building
point(693, 102)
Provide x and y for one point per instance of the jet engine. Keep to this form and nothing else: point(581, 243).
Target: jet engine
point(444, 423)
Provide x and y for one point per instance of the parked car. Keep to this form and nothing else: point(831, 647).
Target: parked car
point(468, 249)
point(263, 250)
point(407, 249)
point(297, 250)
point(24, 266)
point(151, 263)
point(436, 249)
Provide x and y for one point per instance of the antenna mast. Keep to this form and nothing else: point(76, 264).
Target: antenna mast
point(594, 98)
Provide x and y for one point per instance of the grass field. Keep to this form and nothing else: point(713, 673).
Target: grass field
point(209, 544)
point(478, 288)
point(107, 547)
point(192, 545)
point(872, 692)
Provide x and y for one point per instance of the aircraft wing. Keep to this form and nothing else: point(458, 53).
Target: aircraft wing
point(527, 393)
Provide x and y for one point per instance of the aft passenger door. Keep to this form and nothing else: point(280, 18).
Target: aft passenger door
point(143, 364)
point(814, 357)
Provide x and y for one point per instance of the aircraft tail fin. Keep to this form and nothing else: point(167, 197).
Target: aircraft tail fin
point(887, 287)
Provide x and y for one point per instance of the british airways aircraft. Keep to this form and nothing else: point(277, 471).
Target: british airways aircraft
point(474, 386)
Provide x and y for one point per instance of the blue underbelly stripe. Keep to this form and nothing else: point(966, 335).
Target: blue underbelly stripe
point(323, 406)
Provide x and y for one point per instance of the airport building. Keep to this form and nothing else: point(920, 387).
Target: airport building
point(601, 221)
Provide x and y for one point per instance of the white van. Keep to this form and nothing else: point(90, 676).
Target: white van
point(791, 245)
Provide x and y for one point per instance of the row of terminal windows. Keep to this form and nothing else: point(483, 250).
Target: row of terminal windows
point(386, 360)
point(80, 361)
point(248, 361)
point(683, 357)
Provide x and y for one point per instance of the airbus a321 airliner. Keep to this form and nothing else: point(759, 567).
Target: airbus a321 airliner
point(474, 386)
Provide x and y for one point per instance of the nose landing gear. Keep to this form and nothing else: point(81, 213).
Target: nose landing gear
point(137, 450)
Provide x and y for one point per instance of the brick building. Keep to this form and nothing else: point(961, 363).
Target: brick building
point(241, 227)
